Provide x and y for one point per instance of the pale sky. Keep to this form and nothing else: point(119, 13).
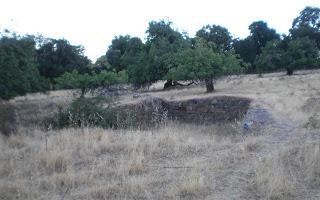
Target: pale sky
point(94, 23)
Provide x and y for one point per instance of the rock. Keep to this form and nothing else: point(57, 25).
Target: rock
point(256, 118)
point(247, 126)
point(135, 96)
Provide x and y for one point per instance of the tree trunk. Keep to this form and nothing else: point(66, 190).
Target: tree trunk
point(83, 91)
point(209, 84)
point(168, 84)
point(289, 71)
point(180, 84)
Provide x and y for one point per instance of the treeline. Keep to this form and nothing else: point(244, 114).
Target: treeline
point(30, 63)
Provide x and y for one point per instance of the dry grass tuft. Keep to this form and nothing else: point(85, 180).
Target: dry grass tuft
point(62, 181)
point(252, 144)
point(136, 165)
point(16, 141)
point(53, 162)
point(10, 192)
point(273, 180)
point(293, 171)
point(105, 192)
point(193, 185)
point(132, 188)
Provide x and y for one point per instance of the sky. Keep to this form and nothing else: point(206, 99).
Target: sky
point(94, 23)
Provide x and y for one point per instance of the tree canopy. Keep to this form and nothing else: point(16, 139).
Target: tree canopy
point(201, 62)
point(163, 42)
point(90, 82)
point(29, 63)
point(261, 34)
point(18, 67)
point(57, 57)
point(270, 58)
point(218, 35)
point(307, 24)
point(251, 47)
point(302, 53)
point(122, 51)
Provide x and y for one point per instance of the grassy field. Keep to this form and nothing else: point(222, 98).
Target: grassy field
point(173, 161)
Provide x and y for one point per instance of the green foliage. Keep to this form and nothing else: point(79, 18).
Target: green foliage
point(75, 80)
point(114, 53)
point(129, 53)
point(302, 53)
point(163, 42)
point(218, 35)
point(123, 51)
point(57, 57)
point(150, 62)
point(247, 50)
point(18, 67)
point(196, 64)
point(270, 58)
point(132, 52)
point(202, 63)
point(160, 30)
point(251, 47)
point(309, 16)
point(84, 112)
point(296, 51)
point(102, 64)
point(232, 64)
point(307, 24)
point(261, 34)
point(139, 70)
point(87, 82)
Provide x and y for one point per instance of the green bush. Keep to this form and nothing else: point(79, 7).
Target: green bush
point(85, 112)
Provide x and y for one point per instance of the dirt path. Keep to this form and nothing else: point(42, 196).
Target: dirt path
point(233, 183)
point(281, 128)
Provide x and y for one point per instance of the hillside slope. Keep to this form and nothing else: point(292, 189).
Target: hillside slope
point(276, 157)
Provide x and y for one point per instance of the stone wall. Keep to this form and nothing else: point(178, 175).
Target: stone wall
point(211, 110)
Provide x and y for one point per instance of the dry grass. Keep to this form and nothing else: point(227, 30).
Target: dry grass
point(193, 184)
point(294, 171)
point(174, 161)
point(8, 118)
point(108, 164)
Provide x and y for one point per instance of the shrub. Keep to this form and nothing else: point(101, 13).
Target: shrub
point(85, 112)
point(8, 121)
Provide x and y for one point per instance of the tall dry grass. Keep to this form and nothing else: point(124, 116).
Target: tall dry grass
point(173, 161)
point(293, 173)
